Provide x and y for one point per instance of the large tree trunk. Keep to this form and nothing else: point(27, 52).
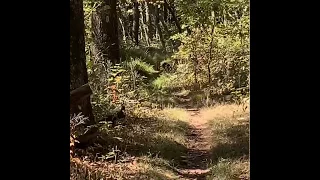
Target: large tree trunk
point(173, 14)
point(105, 32)
point(78, 69)
point(136, 16)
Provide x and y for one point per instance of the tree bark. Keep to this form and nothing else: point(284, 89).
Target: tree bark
point(78, 69)
point(105, 32)
point(136, 16)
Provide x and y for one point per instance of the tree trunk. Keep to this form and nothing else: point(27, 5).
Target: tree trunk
point(158, 27)
point(195, 67)
point(210, 55)
point(194, 59)
point(147, 22)
point(145, 27)
point(78, 69)
point(174, 17)
point(165, 12)
point(124, 26)
point(105, 32)
point(162, 20)
point(149, 10)
point(124, 37)
point(136, 16)
point(141, 28)
point(211, 46)
point(130, 20)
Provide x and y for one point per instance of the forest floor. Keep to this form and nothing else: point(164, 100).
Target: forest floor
point(188, 144)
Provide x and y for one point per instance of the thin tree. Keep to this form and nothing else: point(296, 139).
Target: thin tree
point(157, 22)
point(124, 26)
point(136, 16)
point(163, 23)
point(211, 46)
point(129, 9)
point(165, 12)
point(144, 25)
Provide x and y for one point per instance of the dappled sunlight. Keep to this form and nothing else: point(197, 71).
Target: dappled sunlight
point(157, 135)
point(230, 141)
point(175, 114)
point(227, 112)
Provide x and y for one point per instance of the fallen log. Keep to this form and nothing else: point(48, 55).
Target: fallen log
point(80, 93)
point(88, 138)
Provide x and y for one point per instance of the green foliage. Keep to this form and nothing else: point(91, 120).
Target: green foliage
point(224, 51)
point(219, 40)
point(163, 81)
point(144, 67)
point(88, 7)
point(150, 55)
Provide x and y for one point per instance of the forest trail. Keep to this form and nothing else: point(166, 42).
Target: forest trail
point(199, 138)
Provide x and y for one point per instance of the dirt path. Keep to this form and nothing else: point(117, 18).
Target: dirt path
point(198, 155)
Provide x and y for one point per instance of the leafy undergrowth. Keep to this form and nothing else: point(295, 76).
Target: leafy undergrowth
point(148, 145)
point(230, 141)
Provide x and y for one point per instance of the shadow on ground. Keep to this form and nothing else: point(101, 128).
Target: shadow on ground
point(236, 143)
point(143, 136)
